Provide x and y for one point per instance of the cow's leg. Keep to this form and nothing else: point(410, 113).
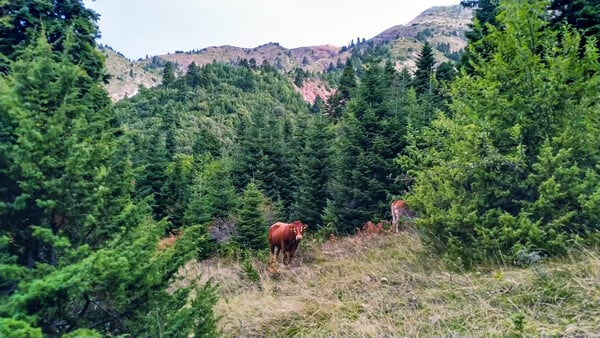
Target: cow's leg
point(284, 251)
point(273, 256)
point(291, 255)
point(277, 252)
point(394, 219)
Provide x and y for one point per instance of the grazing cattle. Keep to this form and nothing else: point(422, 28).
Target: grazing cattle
point(371, 228)
point(168, 242)
point(400, 209)
point(285, 237)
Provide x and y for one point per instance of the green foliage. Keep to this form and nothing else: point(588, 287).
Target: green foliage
point(250, 271)
point(252, 227)
point(212, 194)
point(583, 15)
point(424, 72)
point(83, 333)
point(519, 323)
point(65, 164)
point(211, 112)
point(484, 19)
point(67, 26)
point(76, 251)
point(265, 155)
point(193, 319)
point(118, 285)
point(347, 81)
point(507, 175)
point(175, 192)
point(371, 133)
point(313, 173)
point(10, 327)
point(168, 74)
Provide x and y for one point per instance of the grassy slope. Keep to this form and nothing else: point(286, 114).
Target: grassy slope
point(387, 285)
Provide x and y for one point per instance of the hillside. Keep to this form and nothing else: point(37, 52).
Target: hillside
point(388, 285)
point(127, 76)
point(443, 27)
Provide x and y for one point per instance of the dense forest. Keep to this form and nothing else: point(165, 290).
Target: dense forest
point(498, 154)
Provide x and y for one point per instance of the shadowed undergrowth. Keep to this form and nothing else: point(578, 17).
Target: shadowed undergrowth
point(387, 285)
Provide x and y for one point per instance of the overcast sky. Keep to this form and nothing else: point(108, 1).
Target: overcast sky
point(137, 28)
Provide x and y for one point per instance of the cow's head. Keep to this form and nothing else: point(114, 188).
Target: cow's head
point(297, 228)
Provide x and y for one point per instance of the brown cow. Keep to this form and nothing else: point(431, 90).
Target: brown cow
point(400, 209)
point(168, 242)
point(284, 237)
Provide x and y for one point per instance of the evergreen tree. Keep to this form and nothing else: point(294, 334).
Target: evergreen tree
point(484, 17)
point(175, 193)
point(264, 156)
point(334, 106)
point(347, 81)
point(513, 171)
point(168, 76)
point(252, 227)
point(313, 173)
point(405, 79)
point(446, 72)
point(370, 136)
point(58, 151)
point(212, 194)
point(424, 72)
point(24, 20)
point(583, 15)
point(76, 252)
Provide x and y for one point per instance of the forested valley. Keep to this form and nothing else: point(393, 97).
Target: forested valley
point(102, 203)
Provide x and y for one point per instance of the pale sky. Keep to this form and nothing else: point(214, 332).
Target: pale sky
point(137, 28)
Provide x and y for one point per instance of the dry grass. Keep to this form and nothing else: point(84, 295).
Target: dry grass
point(387, 285)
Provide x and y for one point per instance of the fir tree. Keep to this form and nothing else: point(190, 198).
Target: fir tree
point(212, 194)
point(313, 173)
point(513, 171)
point(347, 81)
point(583, 15)
point(168, 76)
point(71, 237)
point(23, 22)
point(424, 72)
point(371, 134)
point(252, 227)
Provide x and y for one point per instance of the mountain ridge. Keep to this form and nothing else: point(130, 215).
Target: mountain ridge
point(443, 27)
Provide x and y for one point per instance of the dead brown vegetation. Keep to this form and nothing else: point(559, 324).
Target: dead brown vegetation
point(386, 284)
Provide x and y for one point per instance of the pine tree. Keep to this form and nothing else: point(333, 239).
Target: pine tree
point(168, 77)
point(23, 22)
point(483, 18)
point(71, 238)
point(370, 136)
point(59, 151)
point(175, 193)
point(583, 15)
point(252, 227)
point(424, 72)
point(513, 172)
point(347, 81)
point(264, 155)
point(313, 173)
point(212, 194)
